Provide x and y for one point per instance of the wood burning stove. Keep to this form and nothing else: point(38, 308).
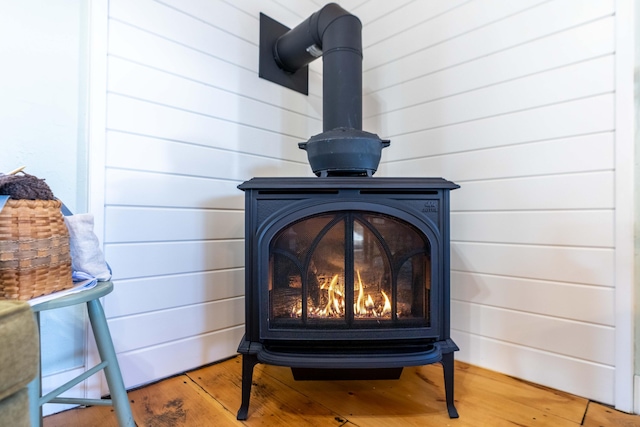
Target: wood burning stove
point(346, 275)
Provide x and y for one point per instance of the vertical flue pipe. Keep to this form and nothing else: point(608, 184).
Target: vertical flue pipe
point(338, 34)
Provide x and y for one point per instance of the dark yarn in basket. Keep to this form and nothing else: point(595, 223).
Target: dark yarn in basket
point(25, 186)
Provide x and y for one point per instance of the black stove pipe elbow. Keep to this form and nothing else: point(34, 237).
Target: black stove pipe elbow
point(343, 148)
point(335, 34)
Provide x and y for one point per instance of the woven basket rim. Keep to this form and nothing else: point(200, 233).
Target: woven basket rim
point(32, 203)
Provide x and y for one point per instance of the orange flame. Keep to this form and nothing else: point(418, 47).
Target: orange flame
point(359, 305)
point(387, 305)
point(364, 306)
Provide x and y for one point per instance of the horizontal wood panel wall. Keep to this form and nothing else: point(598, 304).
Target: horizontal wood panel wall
point(188, 120)
point(514, 101)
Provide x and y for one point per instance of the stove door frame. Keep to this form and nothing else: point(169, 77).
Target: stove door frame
point(306, 208)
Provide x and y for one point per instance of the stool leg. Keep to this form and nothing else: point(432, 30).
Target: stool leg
point(35, 388)
point(112, 370)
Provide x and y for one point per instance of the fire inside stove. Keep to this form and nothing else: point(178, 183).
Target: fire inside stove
point(351, 270)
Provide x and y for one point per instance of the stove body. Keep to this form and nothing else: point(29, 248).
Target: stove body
point(347, 275)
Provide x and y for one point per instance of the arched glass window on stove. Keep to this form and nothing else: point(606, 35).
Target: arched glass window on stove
point(349, 269)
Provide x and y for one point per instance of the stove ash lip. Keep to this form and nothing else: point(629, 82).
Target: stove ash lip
point(336, 35)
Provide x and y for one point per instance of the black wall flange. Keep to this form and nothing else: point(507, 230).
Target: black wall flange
point(270, 31)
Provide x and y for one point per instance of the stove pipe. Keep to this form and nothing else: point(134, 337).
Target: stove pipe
point(336, 35)
point(343, 148)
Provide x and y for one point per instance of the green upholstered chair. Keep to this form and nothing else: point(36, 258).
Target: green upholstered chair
point(19, 355)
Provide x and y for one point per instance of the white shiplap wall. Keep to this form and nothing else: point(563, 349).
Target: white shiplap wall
point(512, 100)
point(188, 120)
point(515, 102)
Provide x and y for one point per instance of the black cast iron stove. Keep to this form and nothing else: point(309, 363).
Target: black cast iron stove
point(347, 276)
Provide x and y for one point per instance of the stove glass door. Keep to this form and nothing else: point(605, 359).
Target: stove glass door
point(353, 269)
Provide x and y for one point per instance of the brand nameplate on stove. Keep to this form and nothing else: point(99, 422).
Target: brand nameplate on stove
point(430, 206)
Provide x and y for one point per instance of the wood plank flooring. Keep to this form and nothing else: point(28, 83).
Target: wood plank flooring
point(210, 396)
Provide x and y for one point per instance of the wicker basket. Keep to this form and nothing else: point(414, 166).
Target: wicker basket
point(34, 249)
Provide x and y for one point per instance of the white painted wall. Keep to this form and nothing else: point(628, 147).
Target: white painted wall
point(42, 87)
point(43, 127)
point(516, 102)
point(637, 170)
point(187, 121)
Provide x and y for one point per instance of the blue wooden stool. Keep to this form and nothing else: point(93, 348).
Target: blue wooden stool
point(119, 398)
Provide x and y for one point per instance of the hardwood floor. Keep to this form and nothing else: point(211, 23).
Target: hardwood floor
point(210, 396)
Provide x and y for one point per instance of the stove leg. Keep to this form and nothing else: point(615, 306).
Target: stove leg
point(447, 365)
point(249, 361)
